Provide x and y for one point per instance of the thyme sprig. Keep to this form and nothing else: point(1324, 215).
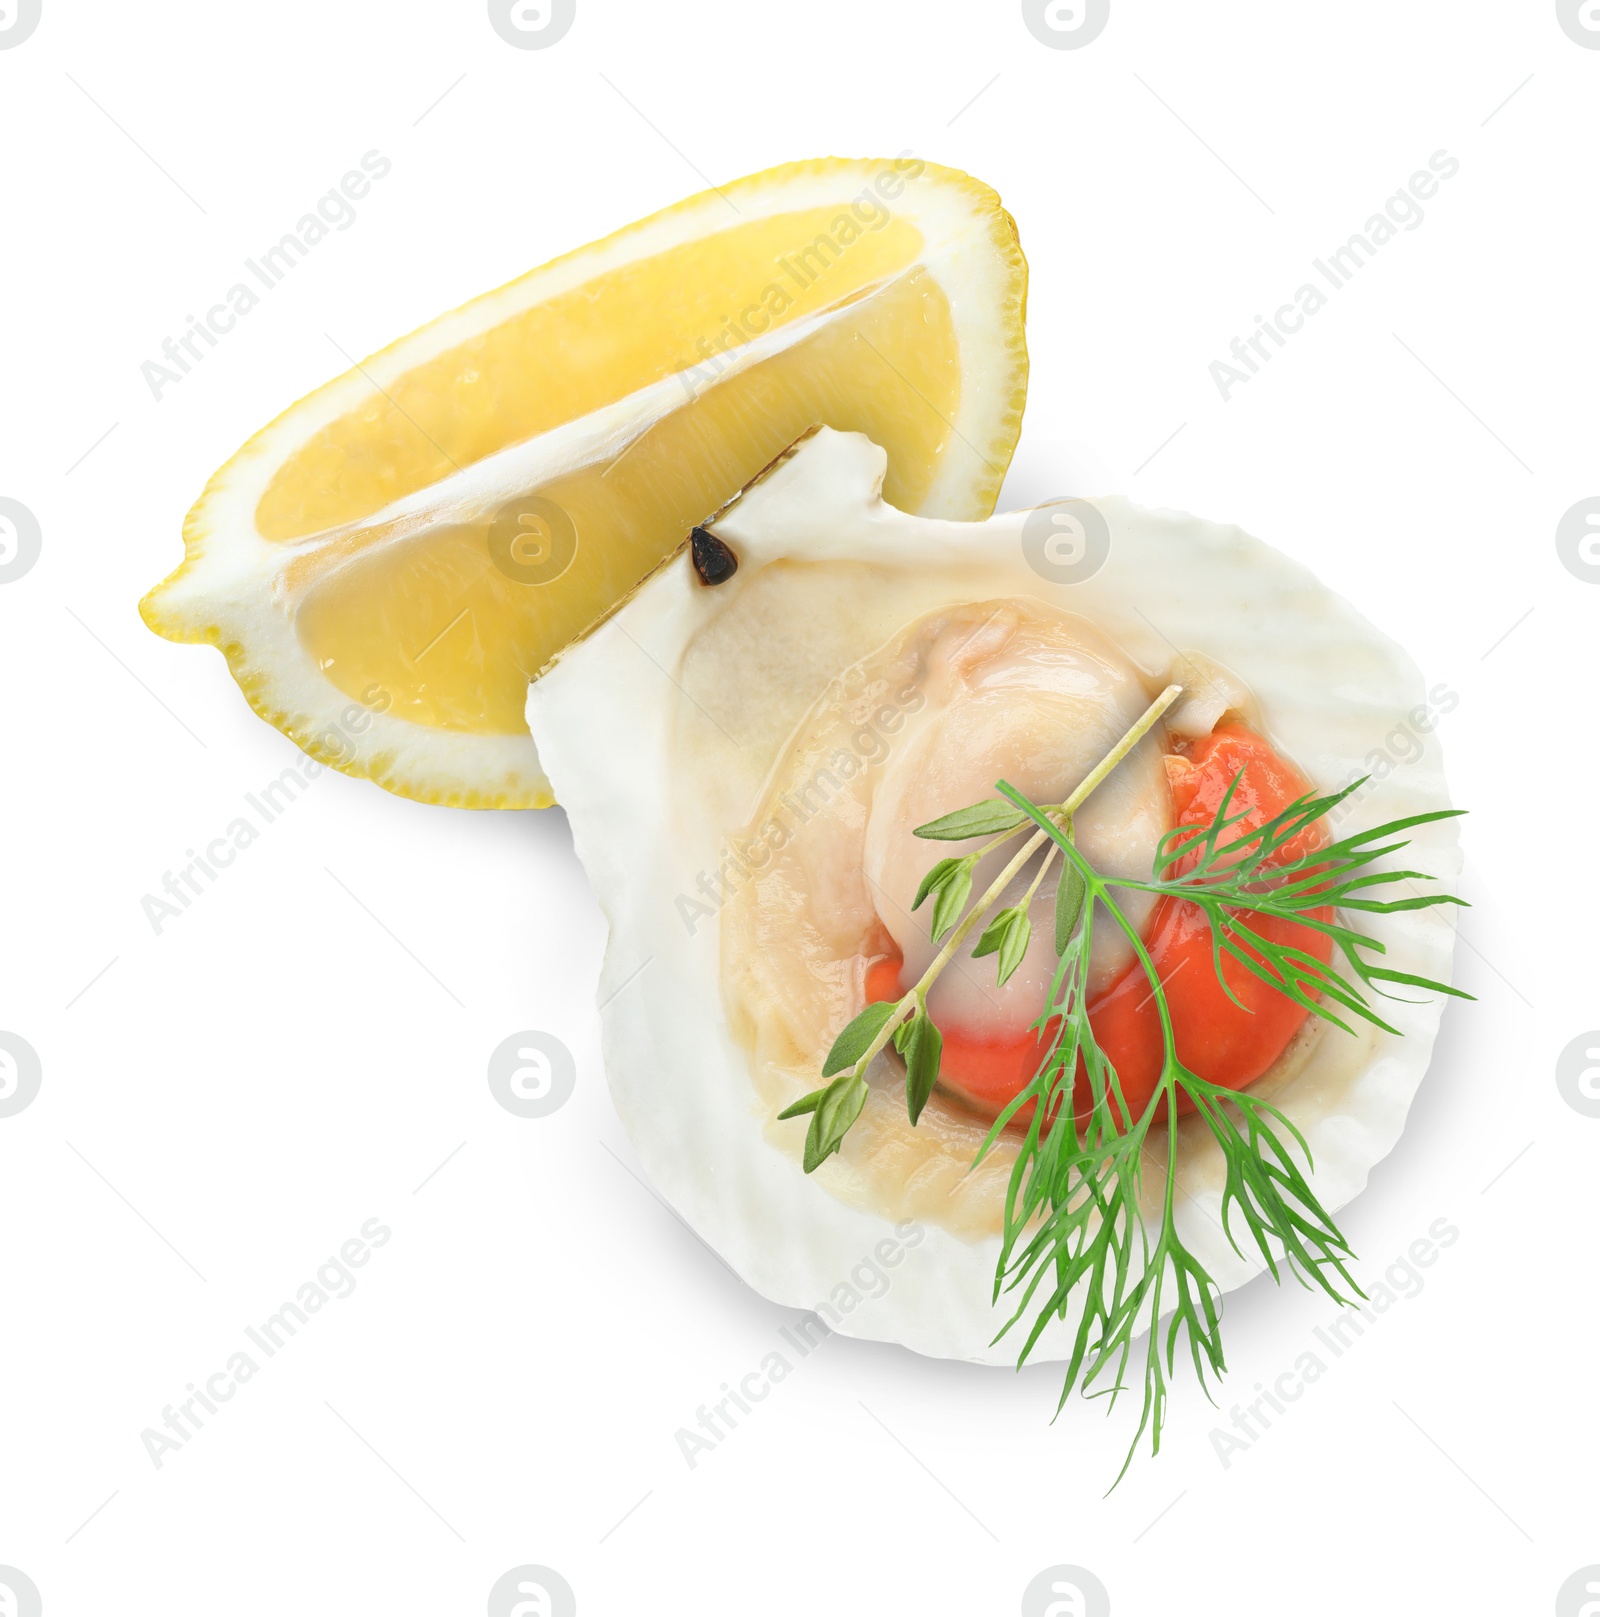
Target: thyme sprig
point(1076, 1247)
point(835, 1107)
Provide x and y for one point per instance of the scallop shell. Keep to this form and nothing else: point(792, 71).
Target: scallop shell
point(660, 731)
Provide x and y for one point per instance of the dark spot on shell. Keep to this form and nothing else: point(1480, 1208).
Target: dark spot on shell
point(713, 561)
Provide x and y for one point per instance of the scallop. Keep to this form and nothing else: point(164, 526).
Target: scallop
point(743, 749)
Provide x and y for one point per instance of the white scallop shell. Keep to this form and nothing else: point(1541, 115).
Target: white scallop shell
point(660, 728)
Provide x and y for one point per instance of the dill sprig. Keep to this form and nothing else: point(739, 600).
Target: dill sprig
point(1075, 1246)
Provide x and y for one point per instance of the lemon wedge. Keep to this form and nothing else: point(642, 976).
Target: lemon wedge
point(389, 564)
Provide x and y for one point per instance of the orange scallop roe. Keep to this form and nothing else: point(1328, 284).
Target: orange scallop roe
point(1222, 1042)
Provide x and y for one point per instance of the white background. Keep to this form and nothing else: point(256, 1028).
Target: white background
point(305, 1046)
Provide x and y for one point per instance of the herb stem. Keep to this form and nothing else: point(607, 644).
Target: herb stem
point(1044, 870)
point(1131, 739)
